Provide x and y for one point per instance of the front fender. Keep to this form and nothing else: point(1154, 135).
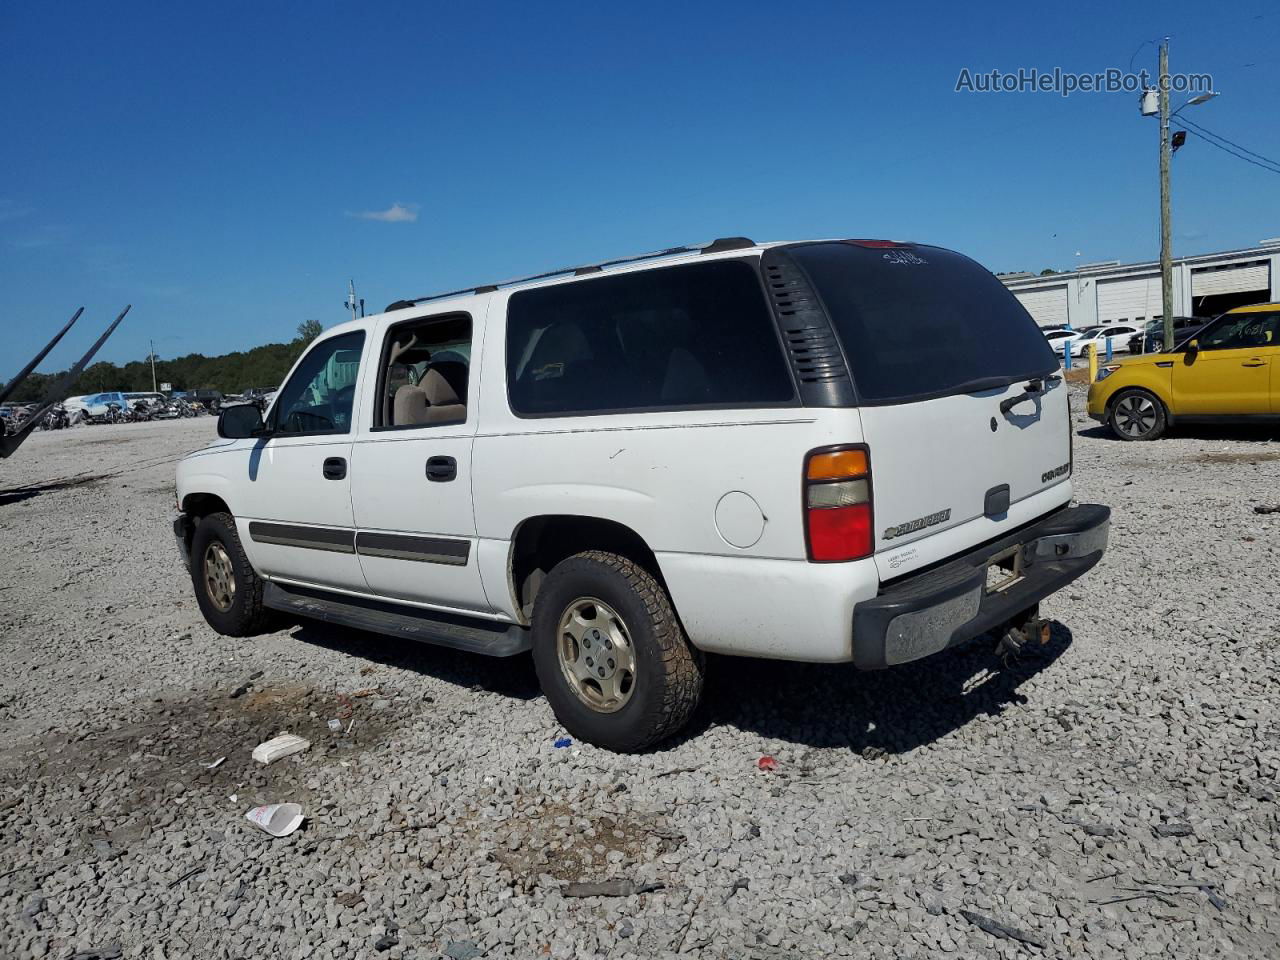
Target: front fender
point(1152, 377)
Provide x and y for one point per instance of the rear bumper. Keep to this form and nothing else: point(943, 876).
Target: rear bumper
point(927, 612)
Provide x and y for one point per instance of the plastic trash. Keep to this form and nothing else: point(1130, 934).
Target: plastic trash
point(277, 819)
point(767, 763)
point(285, 745)
point(564, 742)
point(335, 725)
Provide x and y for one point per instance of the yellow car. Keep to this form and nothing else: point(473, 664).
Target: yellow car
point(1228, 372)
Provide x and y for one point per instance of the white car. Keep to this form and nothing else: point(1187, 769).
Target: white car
point(770, 450)
point(1057, 337)
point(1117, 334)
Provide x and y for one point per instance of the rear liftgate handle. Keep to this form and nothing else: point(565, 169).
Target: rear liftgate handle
point(441, 469)
point(1034, 388)
point(335, 468)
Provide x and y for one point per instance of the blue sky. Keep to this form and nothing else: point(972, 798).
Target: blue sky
point(210, 163)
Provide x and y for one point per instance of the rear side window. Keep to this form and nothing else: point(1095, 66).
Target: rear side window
point(919, 322)
point(682, 337)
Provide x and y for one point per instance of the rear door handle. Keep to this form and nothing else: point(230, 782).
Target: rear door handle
point(335, 468)
point(1255, 362)
point(441, 469)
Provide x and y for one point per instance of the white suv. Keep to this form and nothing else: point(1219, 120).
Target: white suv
point(806, 451)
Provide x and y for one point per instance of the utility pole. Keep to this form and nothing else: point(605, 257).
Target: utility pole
point(153, 367)
point(1166, 217)
point(352, 303)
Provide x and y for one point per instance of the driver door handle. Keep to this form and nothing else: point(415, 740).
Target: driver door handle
point(441, 469)
point(335, 468)
point(1254, 362)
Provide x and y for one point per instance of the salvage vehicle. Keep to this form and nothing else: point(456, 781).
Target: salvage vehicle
point(804, 451)
point(1227, 372)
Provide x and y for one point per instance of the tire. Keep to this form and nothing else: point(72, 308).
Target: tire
point(1137, 415)
point(238, 612)
point(623, 602)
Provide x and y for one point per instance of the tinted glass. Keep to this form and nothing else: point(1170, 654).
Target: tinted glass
point(680, 337)
point(319, 396)
point(1236, 331)
point(922, 321)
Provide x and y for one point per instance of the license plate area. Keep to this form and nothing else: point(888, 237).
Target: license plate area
point(1004, 569)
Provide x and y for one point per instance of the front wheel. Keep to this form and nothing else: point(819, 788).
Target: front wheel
point(228, 589)
point(1137, 415)
point(611, 656)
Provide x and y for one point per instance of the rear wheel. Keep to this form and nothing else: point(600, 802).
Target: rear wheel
point(611, 656)
point(228, 590)
point(1137, 415)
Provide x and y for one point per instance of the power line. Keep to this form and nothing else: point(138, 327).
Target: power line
point(1208, 132)
point(1241, 156)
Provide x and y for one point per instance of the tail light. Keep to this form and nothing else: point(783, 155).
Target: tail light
point(837, 504)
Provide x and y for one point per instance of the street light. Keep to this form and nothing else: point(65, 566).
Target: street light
point(1146, 106)
point(1195, 101)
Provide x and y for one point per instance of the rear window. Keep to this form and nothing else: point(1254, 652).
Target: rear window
point(676, 338)
point(919, 322)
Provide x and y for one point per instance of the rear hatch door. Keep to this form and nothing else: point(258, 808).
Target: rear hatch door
point(962, 404)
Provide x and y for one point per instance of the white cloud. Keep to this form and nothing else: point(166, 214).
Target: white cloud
point(396, 213)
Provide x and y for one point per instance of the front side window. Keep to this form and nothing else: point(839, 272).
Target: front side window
point(681, 337)
point(319, 396)
point(1238, 331)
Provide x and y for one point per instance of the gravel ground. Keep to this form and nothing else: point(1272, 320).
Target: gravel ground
point(1112, 795)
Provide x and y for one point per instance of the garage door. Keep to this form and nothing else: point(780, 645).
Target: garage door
point(1047, 306)
point(1235, 278)
point(1129, 299)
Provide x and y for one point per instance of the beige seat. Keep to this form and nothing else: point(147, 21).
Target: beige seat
point(445, 386)
point(410, 406)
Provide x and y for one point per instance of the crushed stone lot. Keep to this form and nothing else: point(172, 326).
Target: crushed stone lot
point(1112, 794)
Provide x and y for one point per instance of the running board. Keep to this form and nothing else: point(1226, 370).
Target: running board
point(395, 620)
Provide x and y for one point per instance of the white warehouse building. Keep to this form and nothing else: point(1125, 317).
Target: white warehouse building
point(1203, 286)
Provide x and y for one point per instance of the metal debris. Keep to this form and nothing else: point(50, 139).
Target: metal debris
point(998, 929)
point(609, 888)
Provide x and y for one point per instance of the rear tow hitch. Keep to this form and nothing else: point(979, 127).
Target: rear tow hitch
point(1017, 637)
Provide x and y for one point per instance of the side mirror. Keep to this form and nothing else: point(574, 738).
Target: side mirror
point(1193, 346)
point(240, 421)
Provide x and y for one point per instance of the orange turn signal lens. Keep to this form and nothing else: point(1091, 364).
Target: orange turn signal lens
point(838, 465)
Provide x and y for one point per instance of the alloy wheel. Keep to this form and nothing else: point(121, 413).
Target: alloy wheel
point(1135, 416)
point(219, 576)
point(596, 655)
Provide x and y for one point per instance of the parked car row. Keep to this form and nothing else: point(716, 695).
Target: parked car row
point(1134, 337)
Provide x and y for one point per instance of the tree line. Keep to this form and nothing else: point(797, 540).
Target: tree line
point(263, 366)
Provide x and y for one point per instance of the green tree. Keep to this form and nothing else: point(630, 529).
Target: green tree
point(308, 330)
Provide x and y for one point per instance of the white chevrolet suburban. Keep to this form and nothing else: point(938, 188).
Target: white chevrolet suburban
point(825, 451)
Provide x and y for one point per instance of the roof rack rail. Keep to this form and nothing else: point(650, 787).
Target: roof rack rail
point(718, 245)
